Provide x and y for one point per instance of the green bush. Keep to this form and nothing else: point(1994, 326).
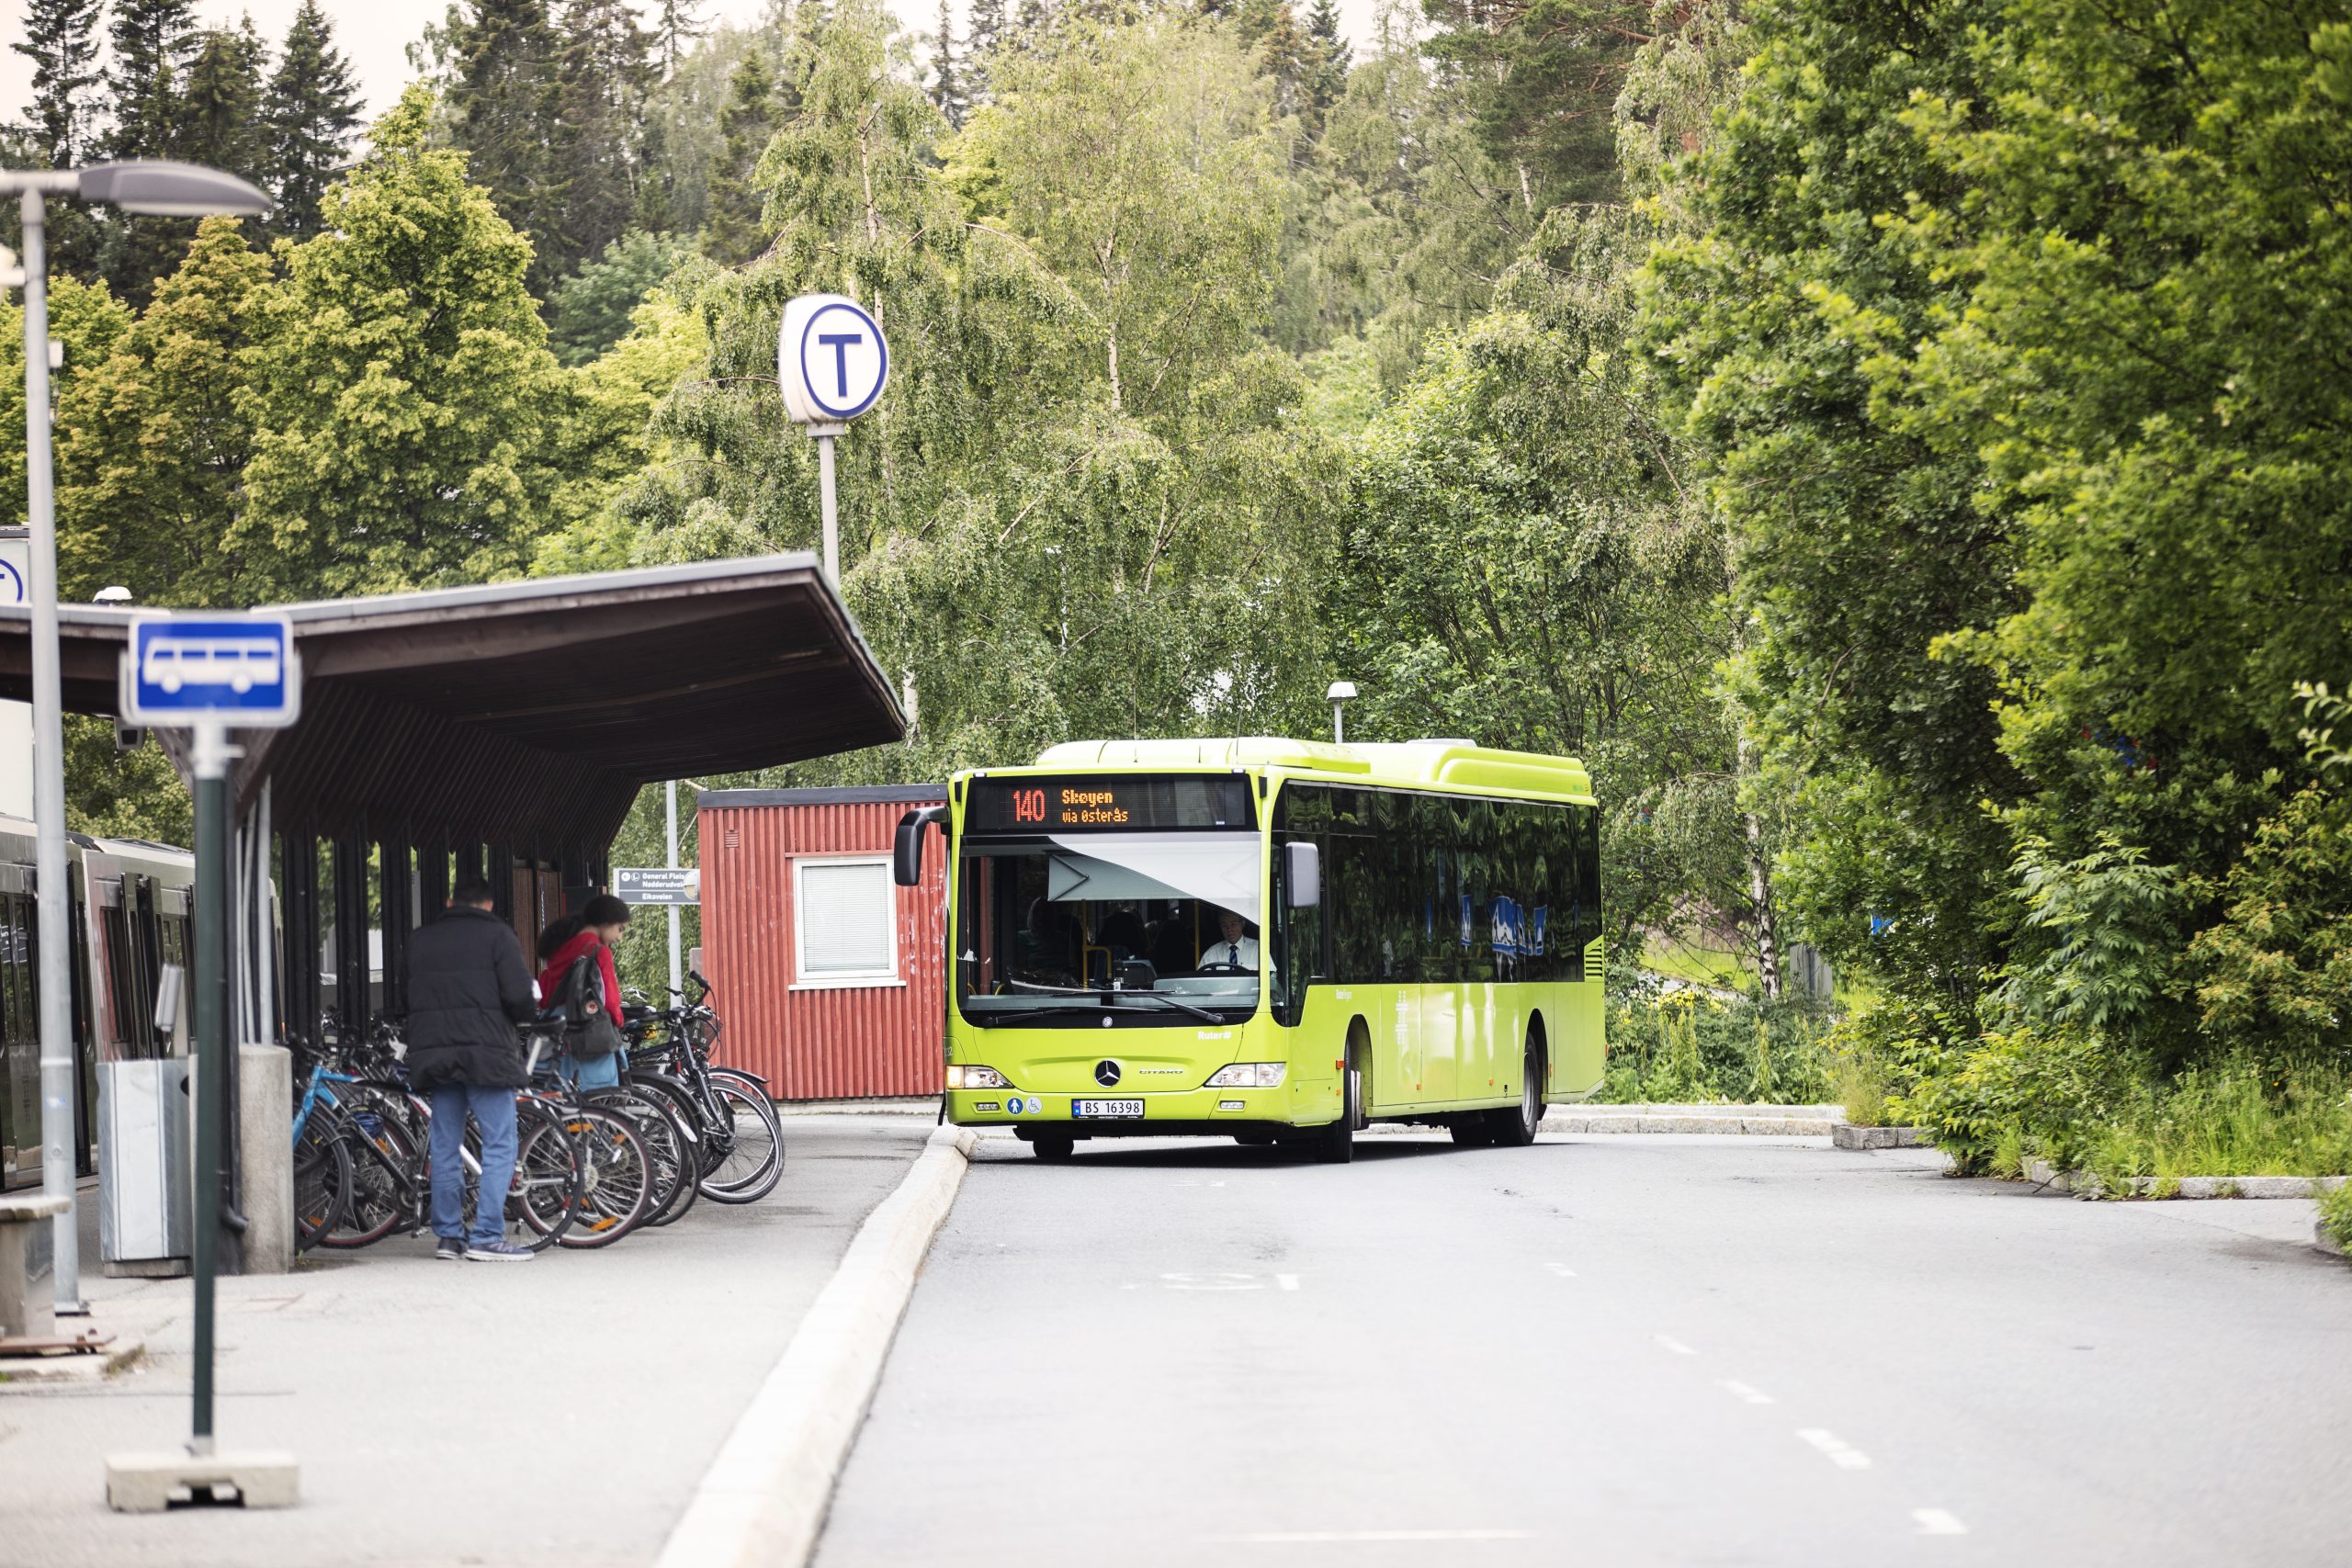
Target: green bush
point(2274, 979)
point(1879, 1054)
point(2044, 1091)
point(1683, 1045)
point(2336, 1213)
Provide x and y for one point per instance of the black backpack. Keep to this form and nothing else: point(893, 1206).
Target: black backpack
point(590, 1033)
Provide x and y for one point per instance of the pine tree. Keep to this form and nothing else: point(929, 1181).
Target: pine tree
point(220, 116)
point(61, 40)
point(312, 109)
point(503, 102)
point(602, 76)
point(1034, 21)
point(681, 22)
point(733, 230)
point(947, 90)
point(1329, 59)
point(986, 33)
point(155, 43)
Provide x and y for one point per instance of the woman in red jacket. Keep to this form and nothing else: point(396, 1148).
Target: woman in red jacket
point(594, 929)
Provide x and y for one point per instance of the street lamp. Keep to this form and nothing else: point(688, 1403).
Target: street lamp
point(1341, 694)
point(166, 189)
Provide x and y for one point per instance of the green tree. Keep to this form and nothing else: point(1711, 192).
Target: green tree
point(221, 120)
point(61, 40)
point(155, 42)
point(590, 311)
point(733, 228)
point(153, 441)
point(87, 319)
point(949, 91)
point(504, 100)
point(680, 25)
point(410, 419)
point(984, 33)
point(1541, 77)
point(1783, 327)
point(308, 120)
point(603, 73)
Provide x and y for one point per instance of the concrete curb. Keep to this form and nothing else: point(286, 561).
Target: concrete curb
point(48, 1372)
point(2083, 1184)
point(1846, 1136)
point(763, 1499)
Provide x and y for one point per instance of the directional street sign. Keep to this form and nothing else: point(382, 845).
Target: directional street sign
point(657, 885)
point(830, 358)
point(210, 666)
point(15, 566)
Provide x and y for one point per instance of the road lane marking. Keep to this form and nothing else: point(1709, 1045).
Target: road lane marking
point(1562, 1269)
point(1288, 1281)
point(1748, 1393)
point(1212, 1282)
point(1935, 1521)
point(1322, 1538)
point(1668, 1342)
point(1840, 1453)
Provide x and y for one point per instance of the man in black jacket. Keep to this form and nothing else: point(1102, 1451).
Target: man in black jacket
point(467, 988)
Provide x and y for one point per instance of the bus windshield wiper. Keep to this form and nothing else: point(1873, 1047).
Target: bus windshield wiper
point(1108, 998)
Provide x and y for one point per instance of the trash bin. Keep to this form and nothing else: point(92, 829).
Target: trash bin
point(146, 1167)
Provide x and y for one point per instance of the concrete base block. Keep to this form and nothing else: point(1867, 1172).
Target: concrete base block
point(151, 1482)
point(77, 1367)
point(1845, 1135)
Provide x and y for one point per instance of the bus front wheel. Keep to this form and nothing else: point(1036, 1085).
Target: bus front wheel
point(1336, 1144)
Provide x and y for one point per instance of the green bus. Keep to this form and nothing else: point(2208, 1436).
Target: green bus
point(1278, 942)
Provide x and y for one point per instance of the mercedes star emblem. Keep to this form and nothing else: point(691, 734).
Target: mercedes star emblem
point(1106, 1073)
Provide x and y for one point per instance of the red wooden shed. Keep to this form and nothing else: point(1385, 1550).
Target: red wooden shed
point(830, 979)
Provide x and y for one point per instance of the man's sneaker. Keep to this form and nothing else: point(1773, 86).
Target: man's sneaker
point(450, 1249)
point(498, 1252)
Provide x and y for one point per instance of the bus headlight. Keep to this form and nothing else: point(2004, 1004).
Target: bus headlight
point(975, 1077)
point(1249, 1075)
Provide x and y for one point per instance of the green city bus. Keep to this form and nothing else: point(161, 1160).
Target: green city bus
point(1278, 942)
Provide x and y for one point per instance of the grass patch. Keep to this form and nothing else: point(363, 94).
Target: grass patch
point(2227, 1120)
point(2336, 1215)
point(1695, 962)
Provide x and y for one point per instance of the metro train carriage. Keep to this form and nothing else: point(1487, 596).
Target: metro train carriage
point(129, 918)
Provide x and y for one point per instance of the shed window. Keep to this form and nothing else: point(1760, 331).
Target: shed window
point(846, 925)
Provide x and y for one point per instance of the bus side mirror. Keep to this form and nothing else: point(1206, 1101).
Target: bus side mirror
point(1303, 875)
point(906, 855)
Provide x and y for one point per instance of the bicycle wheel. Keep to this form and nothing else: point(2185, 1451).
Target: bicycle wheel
point(321, 1179)
point(750, 1161)
point(384, 1191)
point(615, 1176)
point(546, 1193)
point(676, 1159)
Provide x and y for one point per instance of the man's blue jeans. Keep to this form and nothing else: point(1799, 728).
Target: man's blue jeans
point(493, 1109)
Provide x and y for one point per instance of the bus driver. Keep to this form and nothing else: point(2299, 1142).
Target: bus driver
point(1233, 950)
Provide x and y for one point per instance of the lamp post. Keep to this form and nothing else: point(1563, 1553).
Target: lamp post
point(1341, 693)
point(165, 189)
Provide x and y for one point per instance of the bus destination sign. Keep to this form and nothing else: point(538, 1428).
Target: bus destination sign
point(1099, 804)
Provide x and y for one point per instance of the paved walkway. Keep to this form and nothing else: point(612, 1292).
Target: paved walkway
point(553, 1413)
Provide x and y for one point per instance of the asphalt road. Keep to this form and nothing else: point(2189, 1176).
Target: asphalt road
point(1604, 1351)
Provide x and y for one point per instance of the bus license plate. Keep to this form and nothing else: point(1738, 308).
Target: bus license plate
point(1107, 1108)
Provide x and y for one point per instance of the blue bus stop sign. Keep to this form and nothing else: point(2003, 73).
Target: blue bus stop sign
point(210, 666)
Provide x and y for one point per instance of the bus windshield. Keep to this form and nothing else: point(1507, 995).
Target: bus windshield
point(1151, 928)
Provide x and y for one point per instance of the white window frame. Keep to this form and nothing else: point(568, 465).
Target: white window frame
point(872, 979)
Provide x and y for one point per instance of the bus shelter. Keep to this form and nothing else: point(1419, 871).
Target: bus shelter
point(502, 730)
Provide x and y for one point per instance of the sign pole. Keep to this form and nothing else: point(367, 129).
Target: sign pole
point(203, 672)
point(210, 753)
point(824, 435)
point(670, 802)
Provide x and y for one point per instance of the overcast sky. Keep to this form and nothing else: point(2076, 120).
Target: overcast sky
point(377, 33)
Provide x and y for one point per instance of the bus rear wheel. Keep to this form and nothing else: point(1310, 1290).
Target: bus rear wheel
point(1516, 1128)
point(1053, 1145)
